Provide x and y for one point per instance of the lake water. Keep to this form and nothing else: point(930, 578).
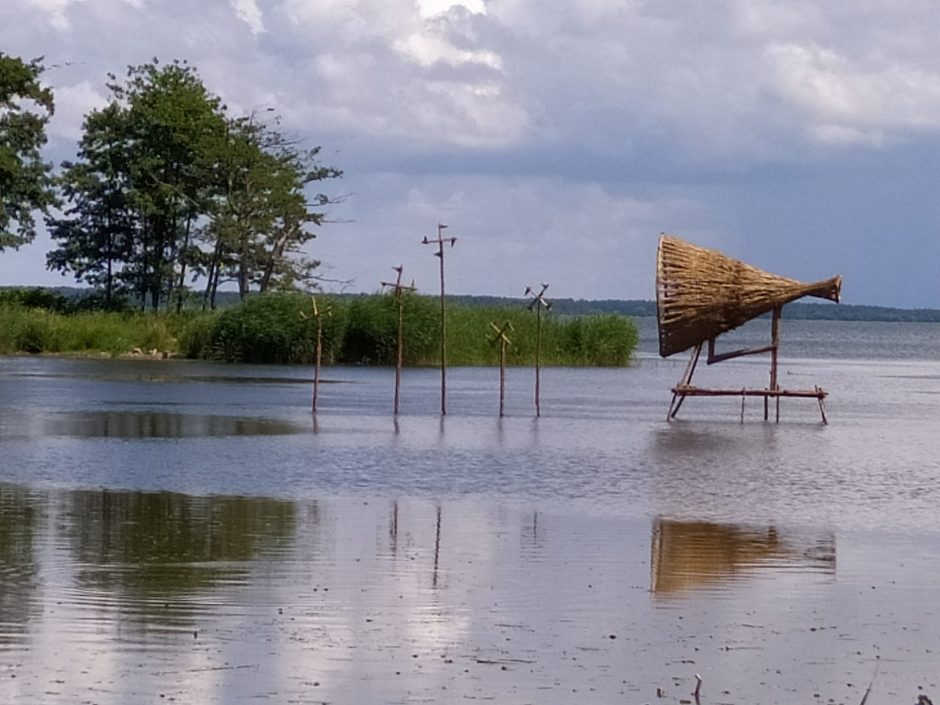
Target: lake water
point(184, 532)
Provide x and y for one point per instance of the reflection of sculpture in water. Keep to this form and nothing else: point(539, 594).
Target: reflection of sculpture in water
point(690, 555)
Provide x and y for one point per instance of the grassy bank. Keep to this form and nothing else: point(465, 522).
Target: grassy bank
point(280, 328)
point(40, 331)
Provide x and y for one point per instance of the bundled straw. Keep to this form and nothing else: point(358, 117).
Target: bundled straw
point(702, 293)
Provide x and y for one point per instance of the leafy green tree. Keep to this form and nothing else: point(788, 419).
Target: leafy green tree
point(97, 235)
point(167, 188)
point(172, 123)
point(263, 218)
point(143, 181)
point(25, 180)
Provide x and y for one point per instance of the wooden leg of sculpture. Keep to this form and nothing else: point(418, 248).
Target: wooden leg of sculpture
point(774, 346)
point(684, 382)
point(822, 406)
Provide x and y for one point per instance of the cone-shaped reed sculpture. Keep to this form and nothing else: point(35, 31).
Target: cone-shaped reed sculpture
point(702, 293)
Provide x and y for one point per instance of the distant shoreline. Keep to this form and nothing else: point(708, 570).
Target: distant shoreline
point(803, 311)
point(798, 310)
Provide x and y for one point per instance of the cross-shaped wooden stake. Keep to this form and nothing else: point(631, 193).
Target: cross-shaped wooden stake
point(398, 289)
point(504, 342)
point(538, 303)
point(440, 254)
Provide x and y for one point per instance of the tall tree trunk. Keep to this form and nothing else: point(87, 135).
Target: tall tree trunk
point(277, 252)
point(184, 255)
point(212, 276)
point(243, 267)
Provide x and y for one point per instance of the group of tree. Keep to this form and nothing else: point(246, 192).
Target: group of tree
point(167, 190)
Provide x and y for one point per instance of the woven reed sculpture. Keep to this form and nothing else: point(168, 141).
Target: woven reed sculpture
point(702, 293)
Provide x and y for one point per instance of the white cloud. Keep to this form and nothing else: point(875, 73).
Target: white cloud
point(72, 103)
point(55, 10)
point(432, 8)
point(249, 13)
point(427, 50)
point(401, 71)
point(776, 18)
point(860, 100)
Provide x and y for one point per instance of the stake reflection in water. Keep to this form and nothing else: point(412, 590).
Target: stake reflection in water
point(437, 545)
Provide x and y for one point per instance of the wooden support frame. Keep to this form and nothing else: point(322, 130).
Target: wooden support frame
point(685, 388)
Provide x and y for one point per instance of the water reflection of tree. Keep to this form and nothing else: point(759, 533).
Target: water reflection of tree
point(155, 424)
point(20, 519)
point(693, 554)
point(165, 544)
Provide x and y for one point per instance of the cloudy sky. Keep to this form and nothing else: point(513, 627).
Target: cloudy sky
point(558, 139)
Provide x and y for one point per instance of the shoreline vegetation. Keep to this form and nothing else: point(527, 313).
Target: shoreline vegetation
point(359, 328)
point(634, 308)
point(280, 328)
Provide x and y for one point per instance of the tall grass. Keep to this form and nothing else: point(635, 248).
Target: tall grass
point(600, 341)
point(364, 330)
point(37, 330)
point(371, 330)
point(264, 329)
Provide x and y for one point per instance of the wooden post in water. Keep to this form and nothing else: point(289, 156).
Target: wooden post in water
point(399, 289)
point(318, 317)
point(440, 254)
point(775, 342)
point(503, 341)
point(537, 303)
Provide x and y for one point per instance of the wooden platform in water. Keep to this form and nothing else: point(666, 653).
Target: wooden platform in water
point(681, 391)
point(688, 390)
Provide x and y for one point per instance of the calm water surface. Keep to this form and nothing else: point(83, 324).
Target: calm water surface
point(184, 532)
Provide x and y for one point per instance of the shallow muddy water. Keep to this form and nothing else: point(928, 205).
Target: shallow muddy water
point(184, 532)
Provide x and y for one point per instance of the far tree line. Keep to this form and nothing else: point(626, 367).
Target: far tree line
point(167, 189)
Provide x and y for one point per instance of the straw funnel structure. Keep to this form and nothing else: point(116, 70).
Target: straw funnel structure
point(702, 293)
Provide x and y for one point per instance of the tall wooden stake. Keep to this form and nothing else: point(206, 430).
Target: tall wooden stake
point(440, 254)
point(399, 288)
point(318, 317)
point(503, 342)
point(537, 303)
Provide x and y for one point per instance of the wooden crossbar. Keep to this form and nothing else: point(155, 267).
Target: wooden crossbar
point(692, 391)
point(685, 388)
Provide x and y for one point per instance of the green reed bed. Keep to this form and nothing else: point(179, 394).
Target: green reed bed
point(364, 330)
point(598, 341)
point(281, 328)
point(37, 330)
